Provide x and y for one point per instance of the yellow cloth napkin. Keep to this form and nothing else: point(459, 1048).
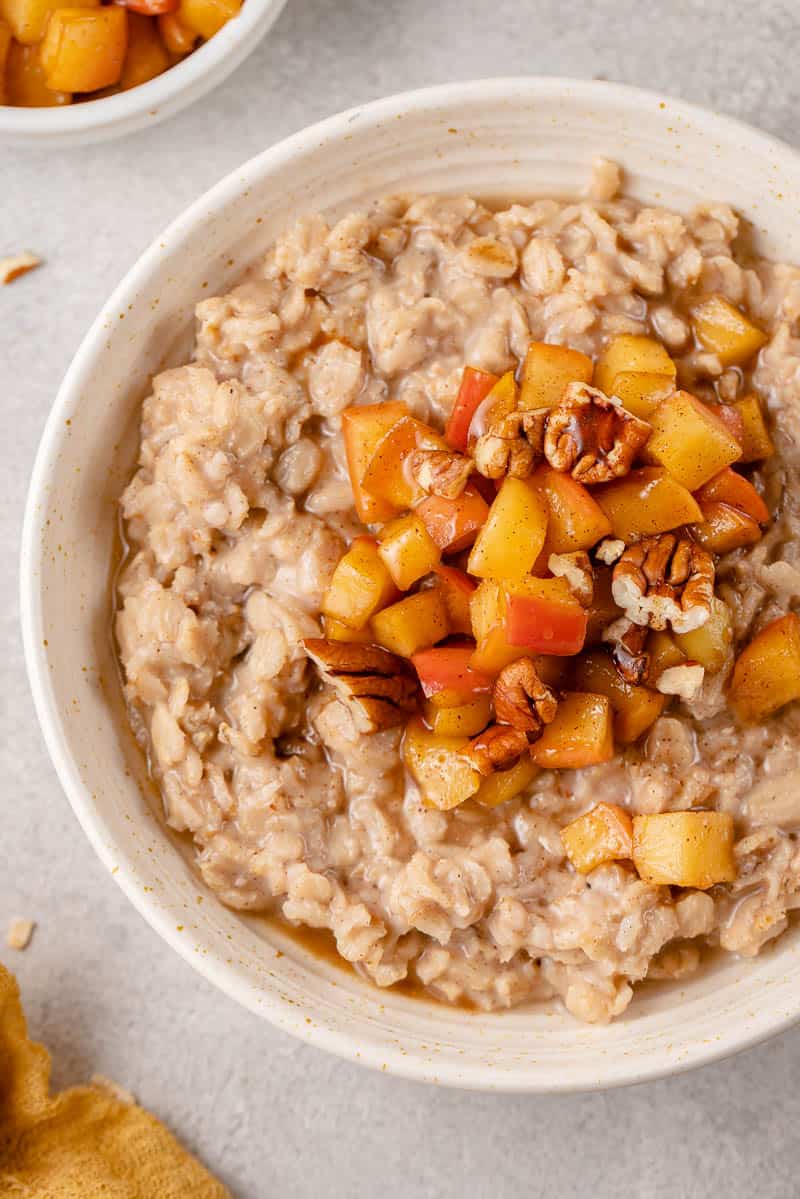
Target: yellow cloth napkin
point(85, 1143)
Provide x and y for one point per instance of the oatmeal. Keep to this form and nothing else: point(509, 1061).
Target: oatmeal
point(459, 613)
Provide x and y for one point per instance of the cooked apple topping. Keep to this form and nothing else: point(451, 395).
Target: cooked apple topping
point(552, 615)
point(665, 580)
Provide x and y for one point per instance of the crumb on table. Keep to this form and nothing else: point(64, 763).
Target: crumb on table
point(17, 264)
point(19, 933)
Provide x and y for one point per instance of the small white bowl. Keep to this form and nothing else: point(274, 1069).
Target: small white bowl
point(150, 103)
point(514, 137)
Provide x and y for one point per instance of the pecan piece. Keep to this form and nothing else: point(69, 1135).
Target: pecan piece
point(440, 472)
point(522, 700)
point(592, 437)
point(576, 570)
point(627, 641)
point(377, 686)
point(668, 579)
point(497, 747)
point(17, 264)
point(503, 450)
point(684, 681)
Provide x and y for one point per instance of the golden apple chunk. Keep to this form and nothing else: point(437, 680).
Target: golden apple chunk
point(440, 766)
point(767, 672)
point(726, 332)
point(690, 440)
point(604, 834)
point(684, 849)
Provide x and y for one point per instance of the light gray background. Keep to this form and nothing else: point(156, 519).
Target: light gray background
point(271, 1116)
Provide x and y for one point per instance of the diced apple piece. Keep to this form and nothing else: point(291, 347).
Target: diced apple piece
point(755, 438)
point(178, 38)
point(412, 624)
point(635, 708)
point(446, 676)
point(640, 392)
point(457, 591)
point(363, 428)
point(461, 720)
point(454, 524)
point(726, 332)
point(631, 352)
point(603, 834)
point(28, 18)
point(690, 440)
point(730, 419)
point(487, 608)
point(710, 644)
point(551, 670)
point(207, 17)
point(581, 734)
point(5, 46)
point(724, 528)
point(664, 653)
point(406, 548)
point(684, 849)
point(475, 386)
point(575, 520)
point(146, 56)
point(767, 672)
point(360, 585)
point(334, 630)
point(440, 766)
point(603, 610)
point(25, 81)
point(514, 534)
point(645, 502)
point(84, 48)
point(544, 616)
point(500, 401)
point(503, 785)
point(387, 477)
point(728, 487)
point(547, 370)
point(494, 651)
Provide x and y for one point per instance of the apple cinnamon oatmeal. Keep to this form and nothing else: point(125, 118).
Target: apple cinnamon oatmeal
point(459, 614)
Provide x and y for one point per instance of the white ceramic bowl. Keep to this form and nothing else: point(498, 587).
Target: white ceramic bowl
point(162, 97)
point(516, 137)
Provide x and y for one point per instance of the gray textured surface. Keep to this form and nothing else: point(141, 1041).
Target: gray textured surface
point(273, 1117)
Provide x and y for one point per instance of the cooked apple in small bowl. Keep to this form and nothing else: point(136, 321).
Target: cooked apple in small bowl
point(53, 54)
point(458, 612)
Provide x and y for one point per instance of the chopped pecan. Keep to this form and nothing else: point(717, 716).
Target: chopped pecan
point(668, 579)
point(684, 680)
point(440, 472)
point(592, 437)
point(576, 570)
point(377, 686)
point(627, 642)
point(503, 450)
point(17, 264)
point(497, 747)
point(610, 550)
point(522, 700)
point(534, 426)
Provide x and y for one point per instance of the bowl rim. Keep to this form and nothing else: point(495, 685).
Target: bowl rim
point(387, 1058)
point(155, 100)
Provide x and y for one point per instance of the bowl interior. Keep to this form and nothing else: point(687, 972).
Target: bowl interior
point(505, 138)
